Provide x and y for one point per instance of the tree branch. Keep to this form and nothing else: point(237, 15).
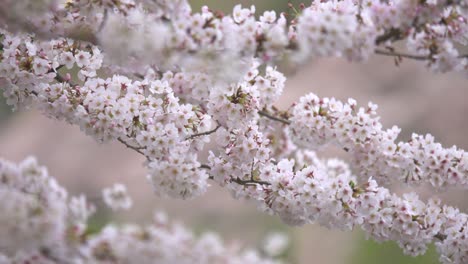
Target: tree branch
point(408, 56)
point(392, 34)
point(204, 166)
point(204, 133)
point(272, 117)
point(402, 55)
point(249, 182)
point(137, 149)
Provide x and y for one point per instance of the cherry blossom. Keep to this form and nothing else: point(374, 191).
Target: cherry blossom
point(42, 224)
point(164, 81)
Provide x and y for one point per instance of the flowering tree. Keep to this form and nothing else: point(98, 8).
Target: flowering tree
point(164, 81)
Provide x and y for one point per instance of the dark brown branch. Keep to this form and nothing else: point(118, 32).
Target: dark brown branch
point(137, 149)
point(440, 237)
point(402, 55)
point(272, 117)
point(393, 34)
point(204, 133)
point(204, 166)
point(408, 56)
point(249, 182)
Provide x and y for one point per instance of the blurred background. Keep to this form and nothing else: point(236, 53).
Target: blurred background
point(408, 96)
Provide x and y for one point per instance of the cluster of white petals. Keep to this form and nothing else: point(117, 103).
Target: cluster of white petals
point(168, 33)
point(326, 28)
point(161, 79)
point(144, 114)
point(316, 122)
point(275, 244)
point(116, 197)
point(42, 224)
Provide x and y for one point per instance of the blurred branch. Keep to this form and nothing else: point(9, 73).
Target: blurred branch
point(272, 117)
point(204, 133)
point(408, 56)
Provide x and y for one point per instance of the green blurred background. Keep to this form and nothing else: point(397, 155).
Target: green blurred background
point(84, 166)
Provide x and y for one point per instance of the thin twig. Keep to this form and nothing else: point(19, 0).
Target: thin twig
point(409, 56)
point(249, 182)
point(204, 133)
point(440, 236)
point(399, 54)
point(137, 149)
point(204, 166)
point(392, 34)
point(104, 20)
point(272, 117)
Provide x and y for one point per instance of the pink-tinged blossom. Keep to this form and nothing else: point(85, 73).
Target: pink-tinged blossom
point(41, 224)
point(160, 79)
point(376, 153)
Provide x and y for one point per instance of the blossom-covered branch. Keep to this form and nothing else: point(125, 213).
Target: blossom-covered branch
point(42, 224)
point(168, 33)
point(146, 115)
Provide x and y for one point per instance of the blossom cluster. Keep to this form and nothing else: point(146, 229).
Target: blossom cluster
point(327, 193)
point(41, 223)
point(148, 115)
point(308, 190)
point(316, 122)
point(168, 33)
point(144, 114)
point(161, 79)
point(116, 197)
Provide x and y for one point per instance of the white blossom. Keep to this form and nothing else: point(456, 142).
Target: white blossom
point(40, 224)
point(116, 197)
point(275, 244)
